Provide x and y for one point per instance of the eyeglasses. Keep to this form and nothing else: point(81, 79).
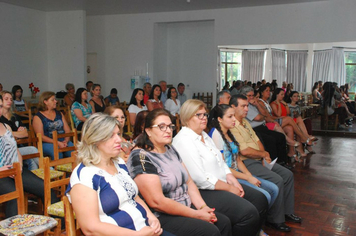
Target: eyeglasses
point(202, 115)
point(163, 127)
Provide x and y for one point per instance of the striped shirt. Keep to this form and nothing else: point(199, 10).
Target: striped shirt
point(8, 149)
point(116, 194)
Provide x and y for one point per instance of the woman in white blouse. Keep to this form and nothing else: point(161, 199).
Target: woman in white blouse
point(136, 104)
point(172, 104)
point(244, 206)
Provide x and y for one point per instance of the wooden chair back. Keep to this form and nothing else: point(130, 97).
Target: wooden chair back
point(66, 113)
point(32, 140)
point(178, 125)
point(56, 149)
point(18, 194)
point(28, 115)
point(59, 185)
point(128, 122)
point(72, 228)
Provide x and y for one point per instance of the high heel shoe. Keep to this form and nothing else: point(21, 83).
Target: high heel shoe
point(309, 148)
point(294, 158)
point(300, 149)
point(295, 144)
point(313, 139)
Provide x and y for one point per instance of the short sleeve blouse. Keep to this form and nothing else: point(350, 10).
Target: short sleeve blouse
point(87, 111)
point(168, 166)
point(8, 149)
point(135, 109)
point(116, 194)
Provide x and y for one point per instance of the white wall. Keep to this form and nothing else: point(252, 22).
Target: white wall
point(66, 47)
point(23, 49)
point(129, 40)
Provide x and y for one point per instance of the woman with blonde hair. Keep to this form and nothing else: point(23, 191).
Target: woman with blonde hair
point(47, 120)
point(104, 197)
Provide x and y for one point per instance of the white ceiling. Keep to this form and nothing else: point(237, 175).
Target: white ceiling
point(109, 7)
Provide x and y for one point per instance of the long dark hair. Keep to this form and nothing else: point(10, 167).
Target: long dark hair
point(275, 93)
point(14, 89)
point(153, 91)
point(219, 111)
point(169, 94)
point(143, 140)
point(139, 123)
point(78, 95)
point(315, 86)
point(133, 99)
point(328, 93)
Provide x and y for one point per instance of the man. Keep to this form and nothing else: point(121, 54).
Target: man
point(237, 86)
point(274, 142)
point(89, 85)
point(223, 97)
point(284, 85)
point(252, 153)
point(181, 96)
point(147, 90)
point(163, 85)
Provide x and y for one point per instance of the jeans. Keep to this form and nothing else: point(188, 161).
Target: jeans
point(30, 164)
point(269, 189)
point(48, 150)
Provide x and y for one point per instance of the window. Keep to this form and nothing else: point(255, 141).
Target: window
point(230, 67)
point(350, 64)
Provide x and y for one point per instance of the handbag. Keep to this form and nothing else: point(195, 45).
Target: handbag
point(61, 94)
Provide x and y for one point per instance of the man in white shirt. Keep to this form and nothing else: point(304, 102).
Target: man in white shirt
point(181, 96)
point(163, 85)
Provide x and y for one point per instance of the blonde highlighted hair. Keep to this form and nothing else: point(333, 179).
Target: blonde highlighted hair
point(189, 109)
point(10, 112)
point(44, 97)
point(97, 128)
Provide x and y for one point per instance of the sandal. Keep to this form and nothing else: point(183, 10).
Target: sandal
point(295, 144)
point(294, 158)
point(309, 148)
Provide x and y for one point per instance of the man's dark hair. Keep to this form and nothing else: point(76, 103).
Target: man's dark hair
point(180, 84)
point(86, 84)
point(234, 99)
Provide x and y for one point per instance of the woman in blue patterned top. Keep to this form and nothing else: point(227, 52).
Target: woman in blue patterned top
point(47, 120)
point(166, 185)
point(81, 109)
point(222, 121)
point(104, 197)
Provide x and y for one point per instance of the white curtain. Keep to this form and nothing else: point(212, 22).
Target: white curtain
point(339, 69)
point(296, 69)
point(322, 65)
point(279, 65)
point(252, 65)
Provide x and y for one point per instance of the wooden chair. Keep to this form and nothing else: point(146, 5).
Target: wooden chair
point(124, 105)
point(66, 113)
point(72, 228)
point(27, 118)
point(23, 224)
point(178, 126)
point(59, 185)
point(329, 122)
point(56, 149)
point(128, 123)
point(72, 126)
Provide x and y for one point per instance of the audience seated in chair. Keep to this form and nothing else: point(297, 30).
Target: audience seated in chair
point(136, 104)
point(81, 109)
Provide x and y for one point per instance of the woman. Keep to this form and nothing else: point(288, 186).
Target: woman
point(154, 101)
point(295, 113)
point(69, 98)
point(104, 197)
point(49, 119)
point(81, 109)
point(289, 89)
point(331, 106)
point(8, 155)
point(136, 104)
point(18, 129)
point(172, 104)
point(97, 102)
point(280, 109)
point(139, 124)
point(224, 120)
point(112, 99)
point(165, 184)
point(278, 124)
point(116, 112)
point(20, 104)
point(218, 187)
point(316, 94)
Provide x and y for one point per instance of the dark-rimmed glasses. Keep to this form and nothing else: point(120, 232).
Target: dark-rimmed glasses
point(202, 115)
point(163, 127)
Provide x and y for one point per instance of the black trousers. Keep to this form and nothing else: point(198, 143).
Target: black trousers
point(274, 143)
point(243, 215)
point(180, 225)
point(31, 184)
